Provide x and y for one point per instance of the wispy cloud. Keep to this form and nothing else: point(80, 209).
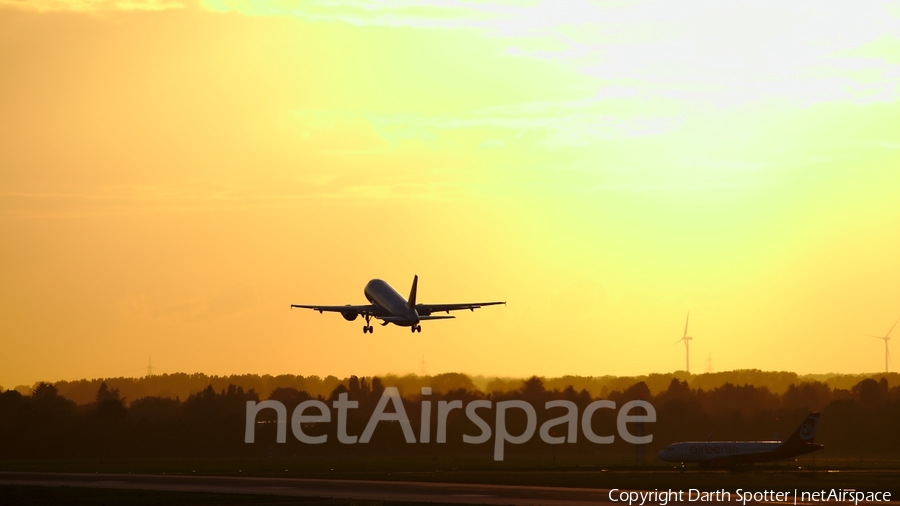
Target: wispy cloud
point(449, 14)
point(704, 51)
point(555, 124)
point(892, 145)
point(210, 195)
point(571, 130)
point(95, 5)
point(229, 301)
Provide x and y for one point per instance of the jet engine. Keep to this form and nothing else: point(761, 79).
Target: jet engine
point(349, 315)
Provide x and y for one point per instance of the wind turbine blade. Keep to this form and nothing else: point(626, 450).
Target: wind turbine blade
point(892, 327)
point(678, 341)
point(686, 323)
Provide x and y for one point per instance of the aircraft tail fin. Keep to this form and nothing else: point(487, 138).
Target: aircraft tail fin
point(412, 292)
point(806, 433)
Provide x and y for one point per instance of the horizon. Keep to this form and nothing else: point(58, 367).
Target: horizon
point(175, 173)
point(477, 378)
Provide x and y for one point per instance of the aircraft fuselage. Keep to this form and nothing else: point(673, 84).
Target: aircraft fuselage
point(383, 296)
point(699, 451)
point(737, 453)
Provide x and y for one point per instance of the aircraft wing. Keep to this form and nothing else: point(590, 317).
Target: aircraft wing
point(367, 309)
point(427, 309)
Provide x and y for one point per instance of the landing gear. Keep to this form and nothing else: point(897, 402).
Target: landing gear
point(415, 328)
point(368, 328)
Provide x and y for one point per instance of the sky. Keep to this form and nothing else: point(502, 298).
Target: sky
point(174, 174)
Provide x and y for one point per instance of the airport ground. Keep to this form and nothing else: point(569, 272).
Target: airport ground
point(17, 495)
point(415, 480)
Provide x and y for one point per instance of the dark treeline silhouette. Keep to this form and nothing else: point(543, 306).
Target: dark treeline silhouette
point(181, 385)
point(858, 421)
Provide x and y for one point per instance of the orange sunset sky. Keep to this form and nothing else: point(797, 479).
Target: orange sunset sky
point(174, 174)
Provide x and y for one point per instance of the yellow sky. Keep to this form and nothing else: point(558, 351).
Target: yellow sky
point(174, 174)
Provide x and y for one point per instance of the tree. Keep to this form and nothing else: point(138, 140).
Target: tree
point(533, 389)
point(44, 392)
point(105, 394)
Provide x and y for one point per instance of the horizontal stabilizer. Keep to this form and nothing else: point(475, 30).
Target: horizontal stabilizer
point(403, 319)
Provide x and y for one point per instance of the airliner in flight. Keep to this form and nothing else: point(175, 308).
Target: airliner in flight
point(390, 307)
point(739, 453)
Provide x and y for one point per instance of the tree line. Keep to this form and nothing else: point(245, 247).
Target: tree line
point(858, 421)
point(182, 385)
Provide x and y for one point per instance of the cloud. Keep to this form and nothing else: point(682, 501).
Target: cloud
point(725, 54)
point(884, 144)
point(558, 124)
point(705, 51)
point(549, 124)
point(736, 53)
point(492, 144)
point(391, 14)
point(94, 5)
point(228, 301)
point(137, 199)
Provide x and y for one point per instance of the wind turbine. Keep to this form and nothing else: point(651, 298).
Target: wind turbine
point(887, 353)
point(687, 340)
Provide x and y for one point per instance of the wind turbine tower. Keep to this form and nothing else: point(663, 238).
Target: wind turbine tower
point(887, 352)
point(687, 340)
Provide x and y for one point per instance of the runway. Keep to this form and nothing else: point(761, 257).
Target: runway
point(335, 489)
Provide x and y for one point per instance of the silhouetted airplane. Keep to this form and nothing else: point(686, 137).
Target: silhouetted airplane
point(737, 453)
point(390, 307)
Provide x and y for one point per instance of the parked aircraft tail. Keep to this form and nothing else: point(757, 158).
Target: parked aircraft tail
point(806, 433)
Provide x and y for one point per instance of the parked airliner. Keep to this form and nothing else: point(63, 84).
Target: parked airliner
point(738, 453)
point(390, 307)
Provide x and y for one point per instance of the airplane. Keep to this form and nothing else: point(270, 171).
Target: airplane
point(390, 307)
point(739, 453)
